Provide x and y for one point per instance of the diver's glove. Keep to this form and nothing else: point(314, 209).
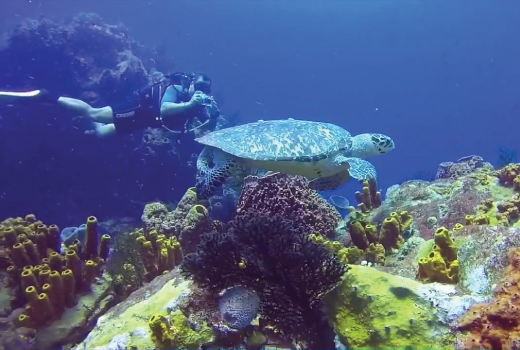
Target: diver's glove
point(197, 99)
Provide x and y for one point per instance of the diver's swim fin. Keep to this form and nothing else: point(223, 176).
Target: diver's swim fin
point(20, 97)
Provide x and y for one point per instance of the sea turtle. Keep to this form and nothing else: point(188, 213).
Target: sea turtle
point(324, 153)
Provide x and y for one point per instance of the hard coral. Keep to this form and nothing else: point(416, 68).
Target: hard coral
point(496, 325)
point(45, 281)
point(291, 198)
point(280, 262)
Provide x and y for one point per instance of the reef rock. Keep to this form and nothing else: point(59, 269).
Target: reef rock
point(377, 310)
point(126, 325)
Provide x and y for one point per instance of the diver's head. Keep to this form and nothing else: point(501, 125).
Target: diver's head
point(201, 82)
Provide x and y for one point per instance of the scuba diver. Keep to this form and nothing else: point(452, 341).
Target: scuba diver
point(175, 104)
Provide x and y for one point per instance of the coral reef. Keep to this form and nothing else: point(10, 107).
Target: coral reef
point(463, 166)
point(291, 198)
point(277, 260)
point(496, 325)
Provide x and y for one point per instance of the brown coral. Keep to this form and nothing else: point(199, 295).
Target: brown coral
point(496, 325)
point(291, 198)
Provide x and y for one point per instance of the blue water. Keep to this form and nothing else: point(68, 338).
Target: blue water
point(441, 77)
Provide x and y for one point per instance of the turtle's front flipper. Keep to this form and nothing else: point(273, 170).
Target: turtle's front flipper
point(361, 169)
point(329, 182)
point(214, 167)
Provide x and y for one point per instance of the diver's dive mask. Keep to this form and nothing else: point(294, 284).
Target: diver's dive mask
point(181, 79)
point(202, 86)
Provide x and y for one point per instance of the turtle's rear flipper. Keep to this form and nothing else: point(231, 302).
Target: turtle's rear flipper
point(329, 182)
point(214, 167)
point(361, 169)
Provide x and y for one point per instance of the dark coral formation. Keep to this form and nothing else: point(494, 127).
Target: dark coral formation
point(291, 198)
point(279, 261)
point(496, 325)
point(45, 281)
point(463, 166)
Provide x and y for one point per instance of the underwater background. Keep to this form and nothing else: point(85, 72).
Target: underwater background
point(124, 243)
point(441, 78)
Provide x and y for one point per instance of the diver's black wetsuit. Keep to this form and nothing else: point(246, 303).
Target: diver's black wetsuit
point(141, 114)
point(129, 118)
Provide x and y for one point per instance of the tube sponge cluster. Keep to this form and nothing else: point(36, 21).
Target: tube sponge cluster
point(366, 237)
point(370, 198)
point(46, 281)
point(160, 253)
point(441, 264)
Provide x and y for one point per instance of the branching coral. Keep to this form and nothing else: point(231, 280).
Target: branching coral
point(291, 198)
point(47, 282)
point(278, 261)
point(496, 325)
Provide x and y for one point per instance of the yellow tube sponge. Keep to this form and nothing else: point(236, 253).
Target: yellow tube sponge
point(441, 264)
point(390, 236)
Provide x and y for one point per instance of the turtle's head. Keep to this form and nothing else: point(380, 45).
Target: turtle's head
point(366, 145)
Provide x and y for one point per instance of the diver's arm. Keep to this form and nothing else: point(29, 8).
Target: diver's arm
point(169, 105)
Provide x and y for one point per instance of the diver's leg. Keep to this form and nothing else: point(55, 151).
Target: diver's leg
point(104, 115)
point(105, 130)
